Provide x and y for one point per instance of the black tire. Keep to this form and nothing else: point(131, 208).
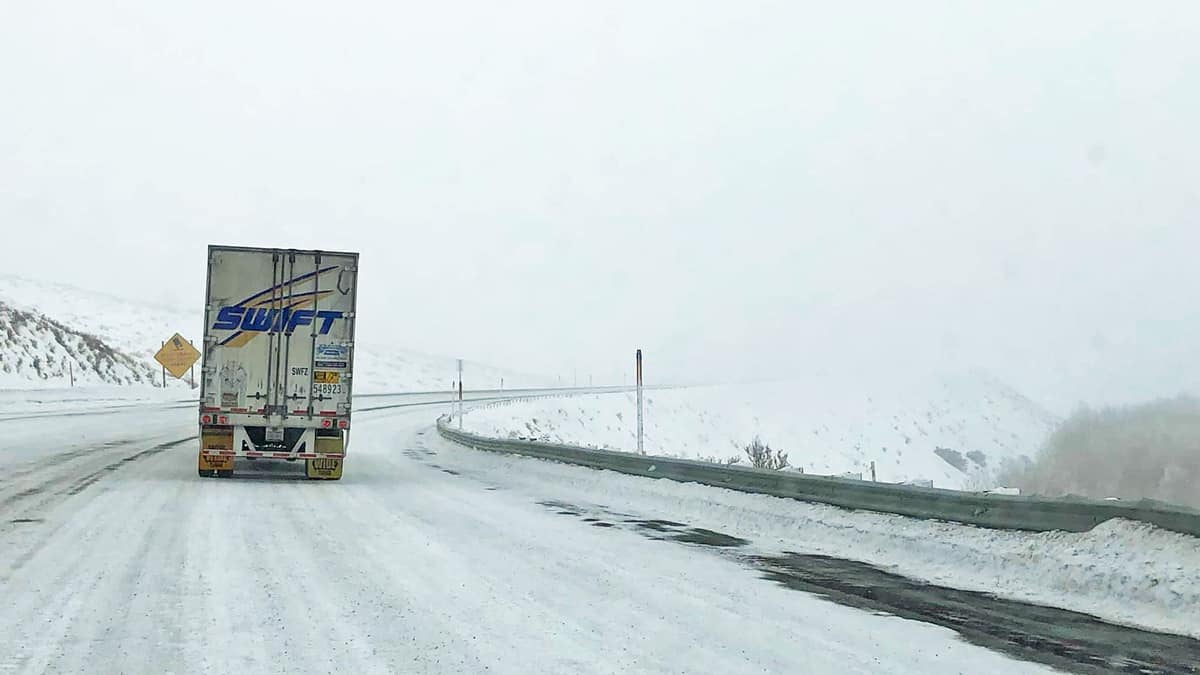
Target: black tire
point(205, 473)
point(225, 474)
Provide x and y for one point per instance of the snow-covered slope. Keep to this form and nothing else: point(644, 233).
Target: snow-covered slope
point(124, 325)
point(133, 332)
point(956, 431)
point(381, 369)
point(36, 350)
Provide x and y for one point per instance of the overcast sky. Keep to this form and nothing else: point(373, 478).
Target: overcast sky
point(743, 189)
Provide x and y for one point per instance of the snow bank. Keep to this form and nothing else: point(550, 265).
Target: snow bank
point(959, 432)
point(1122, 571)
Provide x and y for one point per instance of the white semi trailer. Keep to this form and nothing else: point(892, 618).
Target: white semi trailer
point(278, 358)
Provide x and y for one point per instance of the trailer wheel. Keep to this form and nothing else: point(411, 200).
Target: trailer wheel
point(205, 473)
point(225, 474)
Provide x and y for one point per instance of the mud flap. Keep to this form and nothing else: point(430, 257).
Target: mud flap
point(213, 442)
point(326, 468)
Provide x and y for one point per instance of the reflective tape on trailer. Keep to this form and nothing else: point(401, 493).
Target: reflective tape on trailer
point(272, 455)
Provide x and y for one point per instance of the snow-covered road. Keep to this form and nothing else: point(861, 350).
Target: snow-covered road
point(115, 557)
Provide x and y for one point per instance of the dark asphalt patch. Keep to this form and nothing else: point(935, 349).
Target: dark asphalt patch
point(1071, 641)
point(562, 507)
point(654, 528)
point(699, 535)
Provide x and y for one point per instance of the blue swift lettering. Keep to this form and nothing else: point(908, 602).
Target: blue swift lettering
point(261, 319)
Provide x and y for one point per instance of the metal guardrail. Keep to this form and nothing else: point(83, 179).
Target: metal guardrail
point(1010, 512)
point(599, 389)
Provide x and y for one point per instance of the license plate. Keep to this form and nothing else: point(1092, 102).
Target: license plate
point(325, 467)
point(216, 462)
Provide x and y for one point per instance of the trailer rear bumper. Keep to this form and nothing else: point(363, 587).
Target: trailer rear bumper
point(322, 451)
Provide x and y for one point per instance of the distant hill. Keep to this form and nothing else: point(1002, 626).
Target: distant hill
point(112, 340)
point(37, 350)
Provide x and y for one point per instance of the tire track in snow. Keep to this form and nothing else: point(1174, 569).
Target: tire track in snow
point(74, 563)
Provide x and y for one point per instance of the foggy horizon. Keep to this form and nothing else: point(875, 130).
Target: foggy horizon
point(742, 194)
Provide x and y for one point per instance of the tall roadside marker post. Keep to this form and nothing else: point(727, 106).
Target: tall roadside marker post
point(641, 445)
point(460, 395)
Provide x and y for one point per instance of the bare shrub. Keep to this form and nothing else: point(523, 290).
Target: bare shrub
point(761, 455)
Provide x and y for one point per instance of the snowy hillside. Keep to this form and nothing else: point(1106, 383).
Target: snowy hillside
point(956, 431)
point(37, 350)
point(126, 327)
point(133, 332)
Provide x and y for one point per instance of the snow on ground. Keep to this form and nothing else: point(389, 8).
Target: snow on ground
point(114, 558)
point(956, 431)
point(14, 400)
point(1125, 572)
point(134, 331)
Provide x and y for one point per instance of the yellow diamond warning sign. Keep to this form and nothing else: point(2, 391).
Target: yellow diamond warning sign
point(177, 355)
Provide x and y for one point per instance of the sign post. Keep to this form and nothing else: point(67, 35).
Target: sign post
point(641, 446)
